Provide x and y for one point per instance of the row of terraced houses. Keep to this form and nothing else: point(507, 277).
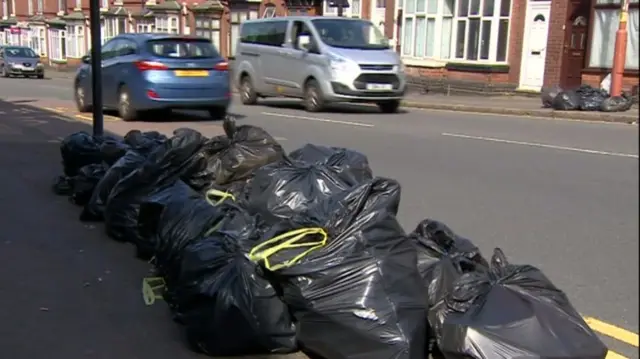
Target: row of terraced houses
point(453, 45)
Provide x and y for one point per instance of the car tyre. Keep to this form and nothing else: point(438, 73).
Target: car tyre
point(248, 94)
point(313, 97)
point(5, 73)
point(125, 109)
point(41, 76)
point(218, 113)
point(389, 106)
point(80, 97)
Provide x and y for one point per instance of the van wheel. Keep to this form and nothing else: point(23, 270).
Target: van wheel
point(248, 94)
point(389, 106)
point(81, 99)
point(125, 109)
point(313, 98)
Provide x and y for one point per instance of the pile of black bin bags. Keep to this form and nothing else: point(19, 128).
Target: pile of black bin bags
point(262, 253)
point(585, 98)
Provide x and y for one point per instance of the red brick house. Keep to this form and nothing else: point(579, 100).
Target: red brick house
point(581, 42)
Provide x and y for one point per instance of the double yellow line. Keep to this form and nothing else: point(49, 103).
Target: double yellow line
point(67, 112)
point(613, 332)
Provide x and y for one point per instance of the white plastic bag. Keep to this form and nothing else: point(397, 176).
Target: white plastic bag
point(606, 83)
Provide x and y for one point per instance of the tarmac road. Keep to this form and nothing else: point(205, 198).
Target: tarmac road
point(560, 195)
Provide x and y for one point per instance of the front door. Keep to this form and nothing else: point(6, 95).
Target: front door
point(575, 44)
point(535, 45)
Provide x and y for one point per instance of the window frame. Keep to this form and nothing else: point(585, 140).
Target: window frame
point(147, 25)
point(59, 39)
point(236, 17)
point(210, 25)
point(75, 41)
point(172, 23)
point(438, 17)
point(270, 8)
point(595, 6)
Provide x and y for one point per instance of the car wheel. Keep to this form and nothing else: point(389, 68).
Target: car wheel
point(248, 94)
point(81, 99)
point(125, 109)
point(5, 73)
point(217, 113)
point(41, 76)
point(389, 106)
point(313, 98)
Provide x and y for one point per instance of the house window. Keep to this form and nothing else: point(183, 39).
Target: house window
point(209, 28)
point(57, 45)
point(78, 4)
point(112, 27)
point(355, 8)
point(75, 41)
point(380, 4)
point(40, 6)
point(329, 9)
point(104, 4)
point(603, 35)
point(5, 9)
point(270, 11)
point(60, 5)
point(167, 24)
point(30, 7)
point(426, 28)
point(38, 41)
point(144, 26)
point(237, 17)
point(482, 30)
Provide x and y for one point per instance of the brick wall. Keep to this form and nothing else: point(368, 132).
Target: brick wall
point(555, 42)
point(594, 79)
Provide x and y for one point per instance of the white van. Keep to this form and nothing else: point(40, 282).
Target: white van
point(319, 59)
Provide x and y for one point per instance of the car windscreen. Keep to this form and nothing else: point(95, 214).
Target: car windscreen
point(183, 48)
point(19, 52)
point(351, 34)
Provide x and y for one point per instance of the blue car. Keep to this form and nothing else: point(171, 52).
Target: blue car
point(151, 74)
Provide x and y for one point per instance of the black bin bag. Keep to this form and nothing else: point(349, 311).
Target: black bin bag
point(159, 171)
point(80, 149)
point(567, 101)
point(281, 190)
point(351, 166)
point(234, 156)
point(85, 182)
point(229, 310)
point(512, 311)
point(356, 293)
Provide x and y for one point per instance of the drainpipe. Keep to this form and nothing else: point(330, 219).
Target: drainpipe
point(620, 51)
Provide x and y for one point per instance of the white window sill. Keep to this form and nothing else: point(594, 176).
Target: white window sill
point(412, 61)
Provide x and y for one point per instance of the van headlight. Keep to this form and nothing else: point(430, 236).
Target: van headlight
point(338, 65)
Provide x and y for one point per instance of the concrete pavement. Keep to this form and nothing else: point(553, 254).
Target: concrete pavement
point(556, 194)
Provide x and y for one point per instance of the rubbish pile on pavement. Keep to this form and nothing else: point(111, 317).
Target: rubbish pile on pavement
point(261, 252)
point(585, 98)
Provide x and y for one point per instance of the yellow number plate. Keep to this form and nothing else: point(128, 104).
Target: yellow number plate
point(192, 73)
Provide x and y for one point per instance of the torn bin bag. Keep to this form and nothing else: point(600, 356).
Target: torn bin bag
point(358, 294)
point(351, 166)
point(229, 310)
point(512, 311)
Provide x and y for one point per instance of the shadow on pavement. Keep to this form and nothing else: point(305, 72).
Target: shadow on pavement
point(346, 108)
point(68, 291)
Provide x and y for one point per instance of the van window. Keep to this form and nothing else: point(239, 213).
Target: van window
point(269, 33)
point(350, 34)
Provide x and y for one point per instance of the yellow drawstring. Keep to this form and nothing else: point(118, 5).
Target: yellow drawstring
point(214, 193)
point(150, 288)
point(288, 241)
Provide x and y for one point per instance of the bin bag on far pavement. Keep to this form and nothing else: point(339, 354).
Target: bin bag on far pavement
point(85, 182)
point(351, 166)
point(233, 156)
point(548, 94)
point(567, 101)
point(94, 209)
point(281, 190)
point(360, 295)
point(80, 149)
point(512, 311)
point(617, 103)
point(160, 170)
point(591, 99)
point(229, 310)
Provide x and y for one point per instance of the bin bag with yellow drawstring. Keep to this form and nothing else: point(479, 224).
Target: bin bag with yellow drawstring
point(510, 311)
point(234, 156)
point(284, 189)
point(160, 170)
point(361, 295)
point(350, 165)
point(228, 309)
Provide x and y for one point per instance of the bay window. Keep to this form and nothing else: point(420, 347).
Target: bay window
point(427, 28)
point(167, 24)
point(75, 41)
point(603, 34)
point(237, 17)
point(270, 11)
point(112, 27)
point(57, 44)
point(209, 28)
point(466, 30)
point(38, 40)
point(355, 8)
point(328, 9)
point(143, 26)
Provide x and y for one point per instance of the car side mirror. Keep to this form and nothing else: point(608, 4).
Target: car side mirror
point(304, 42)
point(86, 59)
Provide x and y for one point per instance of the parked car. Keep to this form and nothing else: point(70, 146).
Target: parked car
point(20, 61)
point(151, 74)
point(328, 59)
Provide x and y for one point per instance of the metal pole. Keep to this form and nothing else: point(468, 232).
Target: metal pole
point(96, 68)
point(340, 7)
point(620, 51)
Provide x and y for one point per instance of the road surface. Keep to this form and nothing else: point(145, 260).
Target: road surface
point(560, 195)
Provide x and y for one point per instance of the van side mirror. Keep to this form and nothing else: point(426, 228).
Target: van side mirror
point(86, 59)
point(304, 42)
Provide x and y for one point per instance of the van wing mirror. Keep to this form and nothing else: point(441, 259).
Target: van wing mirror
point(86, 59)
point(304, 42)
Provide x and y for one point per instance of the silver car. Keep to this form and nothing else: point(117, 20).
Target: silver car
point(20, 61)
point(319, 59)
